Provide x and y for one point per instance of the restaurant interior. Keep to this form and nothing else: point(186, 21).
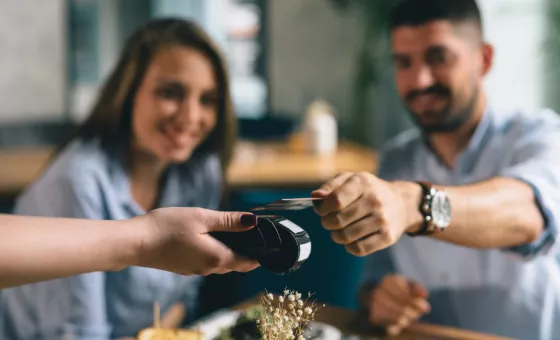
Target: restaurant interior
point(287, 60)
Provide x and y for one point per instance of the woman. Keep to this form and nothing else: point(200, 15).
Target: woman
point(161, 134)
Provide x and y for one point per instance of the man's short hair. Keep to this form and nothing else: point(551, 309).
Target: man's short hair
point(419, 12)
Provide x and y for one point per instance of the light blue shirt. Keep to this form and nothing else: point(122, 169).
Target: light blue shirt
point(510, 292)
point(87, 182)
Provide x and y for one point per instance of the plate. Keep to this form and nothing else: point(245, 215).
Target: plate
point(212, 324)
point(322, 331)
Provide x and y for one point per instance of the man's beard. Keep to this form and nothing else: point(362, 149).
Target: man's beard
point(449, 118)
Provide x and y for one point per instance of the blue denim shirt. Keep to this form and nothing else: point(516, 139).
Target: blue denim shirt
point(510, 292)
point(85, 181)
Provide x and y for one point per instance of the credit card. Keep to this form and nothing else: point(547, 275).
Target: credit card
point(288, 204)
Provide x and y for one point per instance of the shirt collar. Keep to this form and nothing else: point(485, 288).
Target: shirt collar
point(172, 192)
point(476, 143)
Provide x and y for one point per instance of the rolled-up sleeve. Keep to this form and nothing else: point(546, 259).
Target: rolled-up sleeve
point(536, 161)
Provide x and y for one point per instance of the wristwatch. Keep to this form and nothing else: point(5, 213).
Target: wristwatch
point(435, 208)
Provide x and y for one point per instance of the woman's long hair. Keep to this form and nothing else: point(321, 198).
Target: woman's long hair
point(111, 117)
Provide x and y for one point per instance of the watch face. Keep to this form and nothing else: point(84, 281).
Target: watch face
point(441, 210)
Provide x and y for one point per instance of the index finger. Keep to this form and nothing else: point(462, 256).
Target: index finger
point(342, 196)
point(398, 290)
point(332, 184)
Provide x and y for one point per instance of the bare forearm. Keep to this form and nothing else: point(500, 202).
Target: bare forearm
point(35, 249)
point(499, 212)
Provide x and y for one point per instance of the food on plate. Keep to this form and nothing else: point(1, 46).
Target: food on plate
point(282, 317)
point(245, 327)
point(169, 334)
point(158, 333)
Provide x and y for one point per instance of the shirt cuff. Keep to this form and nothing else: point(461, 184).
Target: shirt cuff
point(549, 233)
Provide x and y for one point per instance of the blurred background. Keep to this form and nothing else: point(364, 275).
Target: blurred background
point(283, 55)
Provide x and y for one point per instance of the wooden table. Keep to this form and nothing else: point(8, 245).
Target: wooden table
point(255, 165)
point(350, 323)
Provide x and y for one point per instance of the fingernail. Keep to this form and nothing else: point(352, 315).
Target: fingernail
point(248, 220)
point(318, 193)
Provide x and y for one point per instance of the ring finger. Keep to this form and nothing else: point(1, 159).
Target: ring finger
point(355, 231)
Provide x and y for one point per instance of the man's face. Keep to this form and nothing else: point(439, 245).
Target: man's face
point(439, 69)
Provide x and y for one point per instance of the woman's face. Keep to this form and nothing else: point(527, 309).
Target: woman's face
point(175, 107)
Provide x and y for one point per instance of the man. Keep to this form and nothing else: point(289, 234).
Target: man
point(36, 249)
point(476, 249)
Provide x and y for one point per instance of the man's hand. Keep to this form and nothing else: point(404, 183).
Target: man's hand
point(397, 303)
point(177, 240)
point(367, 214)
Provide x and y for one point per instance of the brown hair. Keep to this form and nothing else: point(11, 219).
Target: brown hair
point(111, 117)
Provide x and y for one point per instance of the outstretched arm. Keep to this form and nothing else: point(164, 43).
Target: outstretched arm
point(517, 209)
point(35, 249)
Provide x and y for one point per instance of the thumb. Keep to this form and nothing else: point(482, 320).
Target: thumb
point(417, 290)
point(328, 187)
point(229, 221)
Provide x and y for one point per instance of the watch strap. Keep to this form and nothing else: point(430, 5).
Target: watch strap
point(424, 209)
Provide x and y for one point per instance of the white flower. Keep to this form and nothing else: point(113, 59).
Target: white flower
point(300, 337)
point(300, 303)
point(291, 306)
point(298, 296)
point(299, 312)
point(281, 298)
point(291, 297)
point(286, 292)
point(308, 310)
point(270, 297)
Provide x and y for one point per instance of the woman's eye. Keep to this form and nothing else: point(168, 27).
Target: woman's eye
point(170, 93)
point(209, 100)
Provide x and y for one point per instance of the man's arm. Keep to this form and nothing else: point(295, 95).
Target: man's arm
point(367, 214)
point(35, 249)
point(496, 213)
point(518, 208)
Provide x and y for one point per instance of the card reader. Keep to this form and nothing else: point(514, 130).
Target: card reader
point(278, 244)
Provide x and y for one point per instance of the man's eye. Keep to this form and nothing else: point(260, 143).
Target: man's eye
point(401, 63)
point(438, 58)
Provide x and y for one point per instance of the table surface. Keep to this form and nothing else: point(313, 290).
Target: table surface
point(255, 165)
point(350, 323)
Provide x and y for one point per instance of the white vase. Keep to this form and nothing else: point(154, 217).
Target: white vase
point(320, 129)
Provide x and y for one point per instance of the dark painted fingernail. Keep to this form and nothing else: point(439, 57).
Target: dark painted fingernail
point(249, 220)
